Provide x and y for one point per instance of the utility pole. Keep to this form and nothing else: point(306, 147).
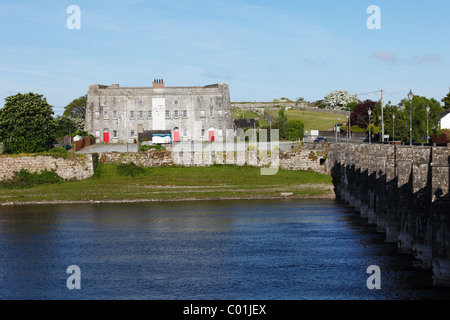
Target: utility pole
point(382, 118)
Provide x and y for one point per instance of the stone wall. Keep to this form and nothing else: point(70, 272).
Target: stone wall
point(402, 190)
point(308, 160)
point(78, 169)
point(254, 106)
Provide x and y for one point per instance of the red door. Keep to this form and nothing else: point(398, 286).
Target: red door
point(106, 137)
point(211, 135)
point(176, 136)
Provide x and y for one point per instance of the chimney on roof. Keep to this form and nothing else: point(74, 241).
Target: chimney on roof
point(158, 83)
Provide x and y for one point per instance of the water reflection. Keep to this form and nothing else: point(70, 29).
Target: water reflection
point(201, 250)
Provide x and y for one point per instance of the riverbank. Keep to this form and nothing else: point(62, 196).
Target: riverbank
point(219, 182)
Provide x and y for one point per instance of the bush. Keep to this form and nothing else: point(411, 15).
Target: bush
point(25, 178)
point(80, 133)
point(441, 136)
point(156, 147)
point(357, 128)
point(129, 169)
point(295, 129)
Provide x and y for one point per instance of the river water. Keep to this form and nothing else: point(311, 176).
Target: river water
point(227, 250)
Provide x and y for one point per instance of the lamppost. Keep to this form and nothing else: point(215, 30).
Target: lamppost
point(336, 126)
point(349, 131)
point(428, 111)
point(339, 120)
point(379, 134)
point(410, 97)
point(393, 127)
point(370, 136)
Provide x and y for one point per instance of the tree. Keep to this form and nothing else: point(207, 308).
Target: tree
point(281, 122)
point(282, 99)
point(360, 115)
point(446, 101)
point(351, 106)
point(397, 126)
point(419, 116)
point(27, 124)
point(295, 129)
point(66, 126)
point(337, 100)
point(76, 109)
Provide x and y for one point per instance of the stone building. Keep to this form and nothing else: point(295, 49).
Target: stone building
point(116, 115)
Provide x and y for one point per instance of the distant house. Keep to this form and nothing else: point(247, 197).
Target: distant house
point(444, 119)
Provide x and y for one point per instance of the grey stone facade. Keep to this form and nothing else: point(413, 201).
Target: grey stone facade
point(117, 115)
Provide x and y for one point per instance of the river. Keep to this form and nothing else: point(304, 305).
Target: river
point(205, 250)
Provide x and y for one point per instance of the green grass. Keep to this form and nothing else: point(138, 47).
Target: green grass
point(315, 120)
point(177, 183)
point(312, 120)
point(237, 114)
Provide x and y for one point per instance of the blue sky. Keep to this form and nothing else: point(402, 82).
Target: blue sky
point(262, 49)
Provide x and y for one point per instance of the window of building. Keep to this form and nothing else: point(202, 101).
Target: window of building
point(219, 113)
point(132, 133)
point(105, 114)
point(114, 133)
point(132, 114)
point(167, 114)
point(149, 113)
point(175, 113)
point(114, 114)
point(211, 113)
point(202, 114)
point(141, 114)
point(184, 113)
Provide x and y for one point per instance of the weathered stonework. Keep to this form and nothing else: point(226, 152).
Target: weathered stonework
point(404, 191)
point(296, 160)
point(78, 169)
point(117, 114)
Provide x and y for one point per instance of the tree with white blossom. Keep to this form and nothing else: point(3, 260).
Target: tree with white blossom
point(338, 100)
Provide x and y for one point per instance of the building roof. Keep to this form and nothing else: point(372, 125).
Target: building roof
point(444, 114)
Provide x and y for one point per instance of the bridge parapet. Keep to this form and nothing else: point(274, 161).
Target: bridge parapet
point(404, 191)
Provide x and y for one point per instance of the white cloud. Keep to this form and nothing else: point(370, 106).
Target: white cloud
point(422, 59)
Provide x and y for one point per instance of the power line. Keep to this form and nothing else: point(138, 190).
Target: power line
point(392, 96)
point(363, 94)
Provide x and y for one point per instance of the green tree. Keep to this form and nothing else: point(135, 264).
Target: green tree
point(76, 109)
point(419, 116)
point(446, 101)
point(281, 123)
point(295, 129)
point(398, 125)
point(65, 126)
point(351, 106)
point(27, 124)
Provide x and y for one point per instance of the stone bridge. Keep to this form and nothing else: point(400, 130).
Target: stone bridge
point(404, 191)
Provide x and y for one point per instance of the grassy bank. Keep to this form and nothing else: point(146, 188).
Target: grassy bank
point(176, 183)
point(312, 120)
